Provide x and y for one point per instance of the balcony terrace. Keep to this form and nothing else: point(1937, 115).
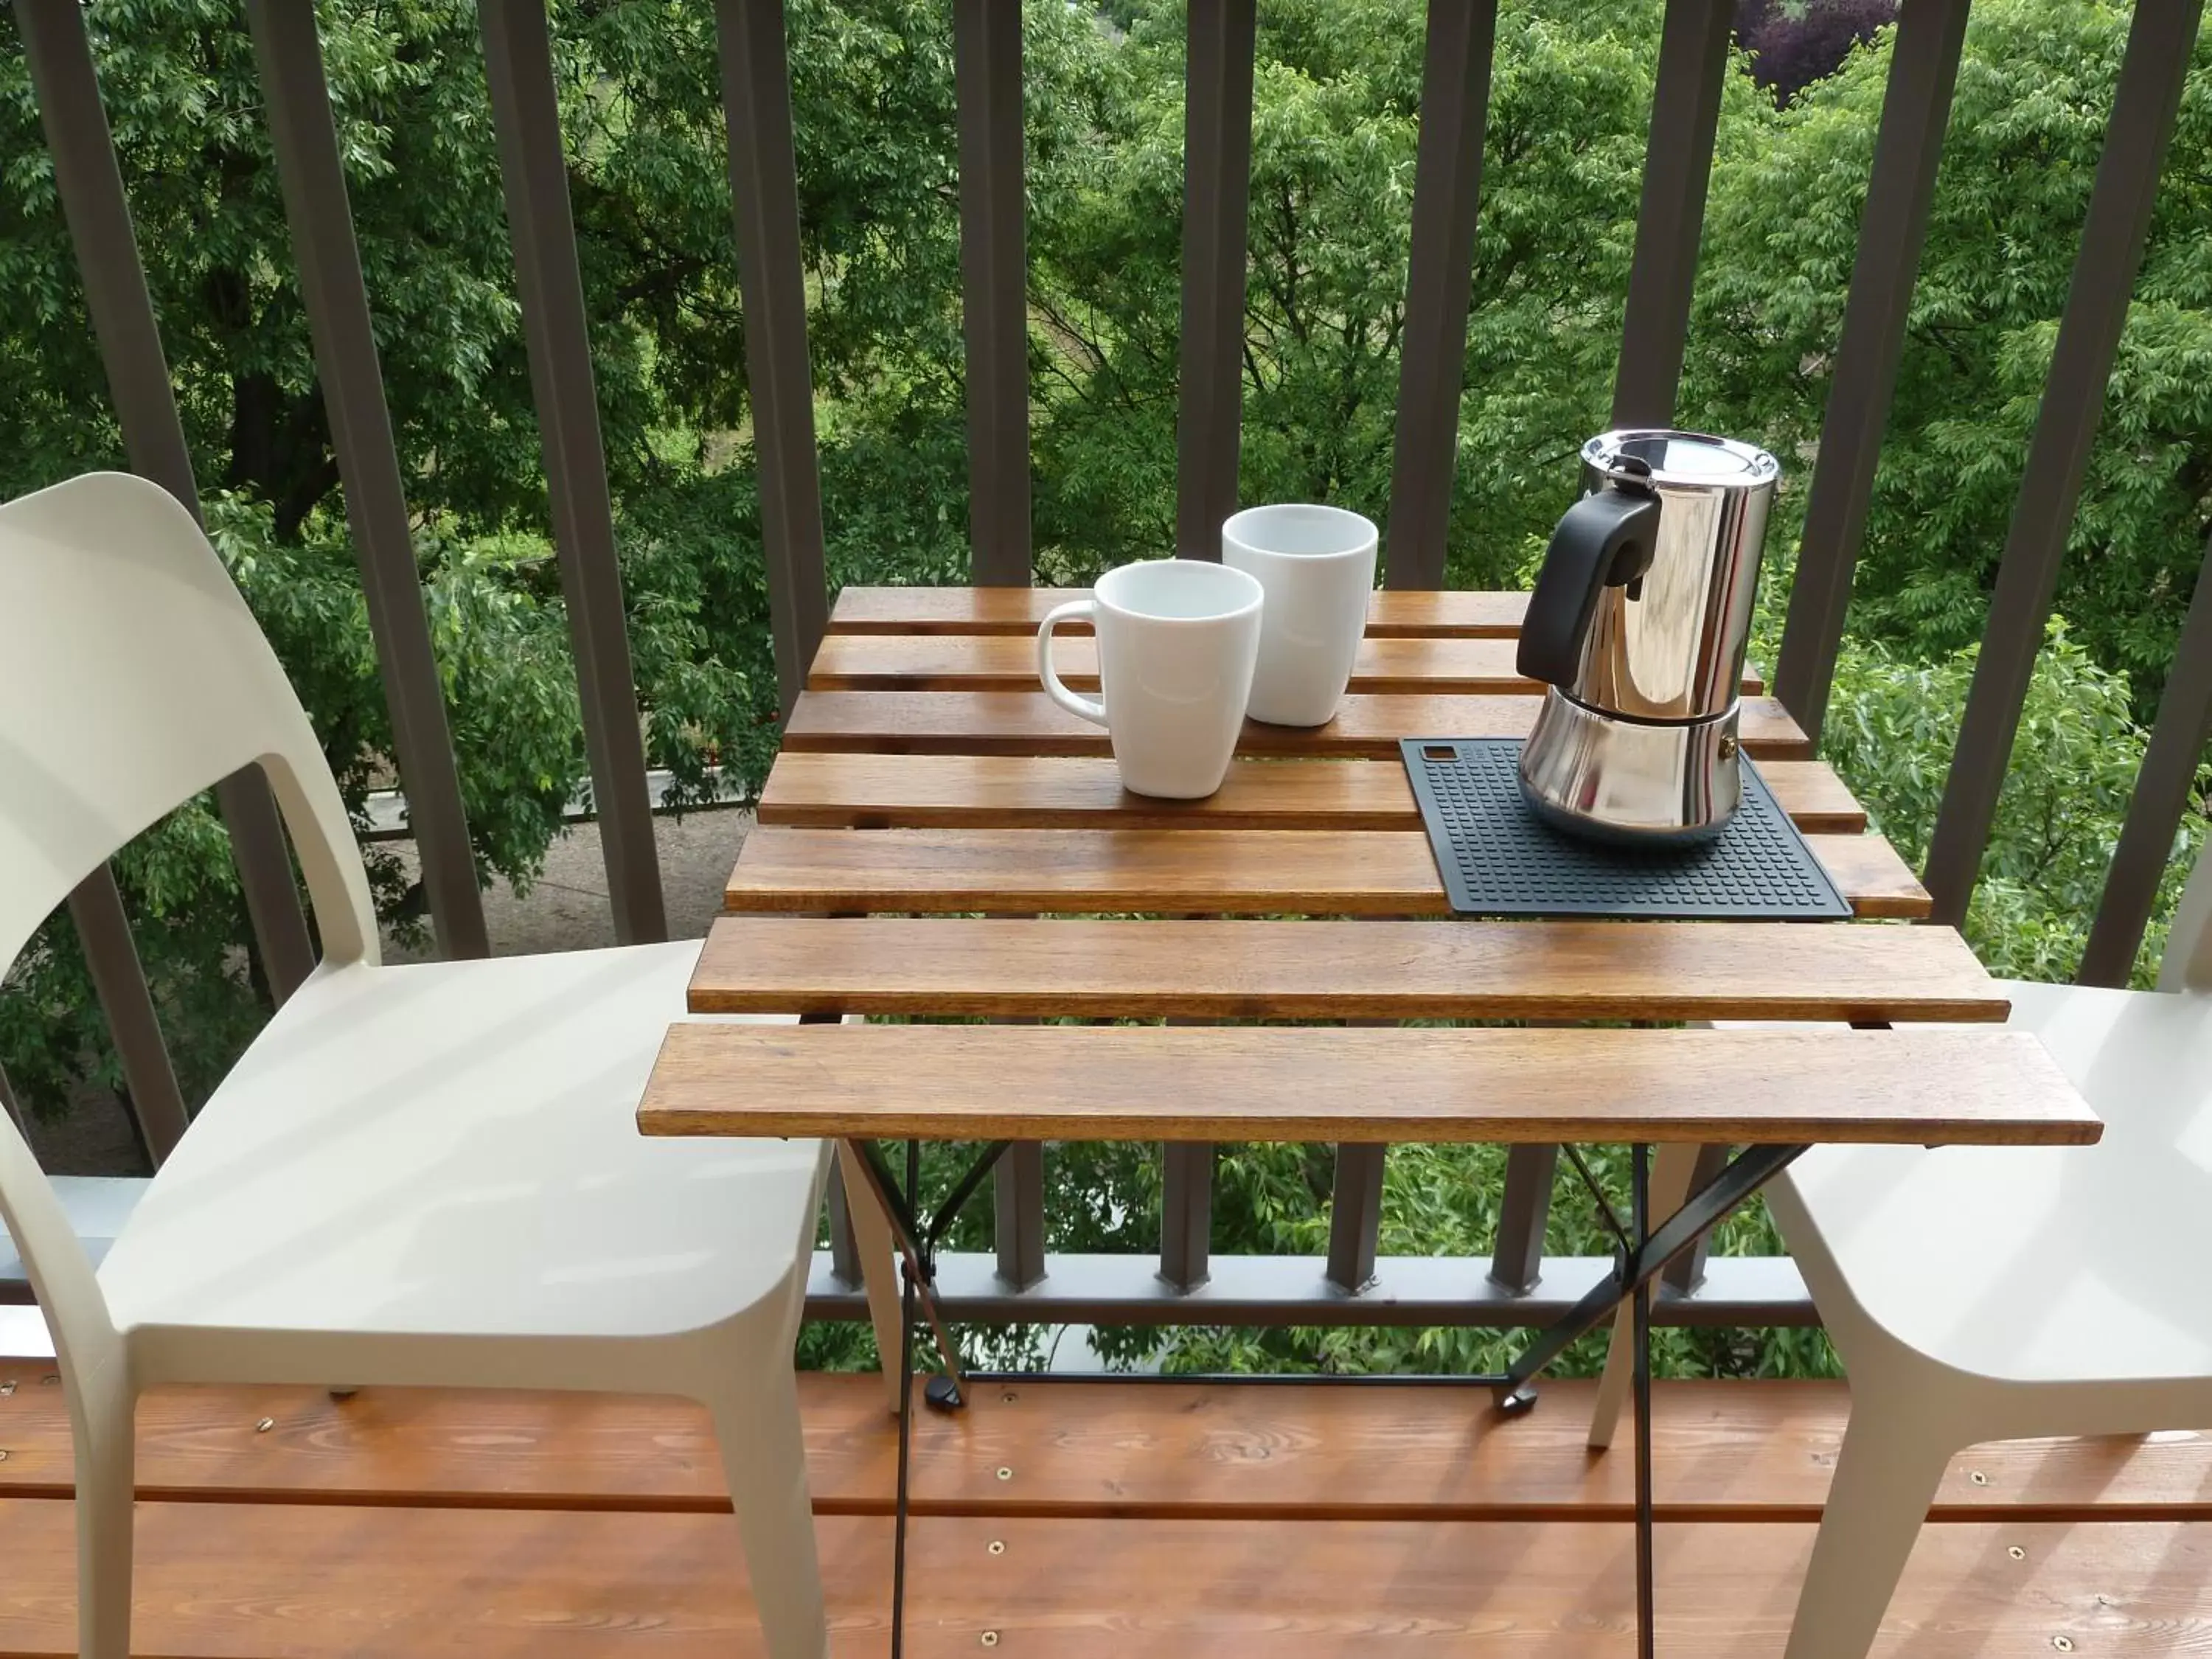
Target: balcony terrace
point(1063, 1514)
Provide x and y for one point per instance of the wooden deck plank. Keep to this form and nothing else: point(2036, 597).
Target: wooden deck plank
point(1008, 792)
point(1722, 1451)
point(426, 1447)
point(1736, 1451)
point(244, 1581)
point(1405, 614)
point(1085, 1589)
point(1340, 970)
point(256, 1582)
point(1007, 662)
point(1229, 873)
point(1326, 1083)
point(1030, 723)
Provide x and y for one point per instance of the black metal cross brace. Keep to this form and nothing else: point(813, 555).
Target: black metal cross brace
point(1642, 1255)
point(1638, 1265)
point(918, 1240)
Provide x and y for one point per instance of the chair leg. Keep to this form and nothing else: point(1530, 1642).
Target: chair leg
point(764, 1455)
point(106, 1458)
point(1886, 1478)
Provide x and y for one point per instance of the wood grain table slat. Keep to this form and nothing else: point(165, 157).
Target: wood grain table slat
point(1228, 872)
point(1378, 970)
point(1015, 792)
point(1365, 1084)
point(1030, 723)
point(1406, 614)
point(1007, 662)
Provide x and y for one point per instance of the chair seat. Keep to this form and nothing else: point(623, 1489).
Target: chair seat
point(452, 1149)
point(2042, 1264)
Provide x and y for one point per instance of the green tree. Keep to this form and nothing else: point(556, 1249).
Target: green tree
point(1335, 127)
point(178, 83)
point(2034, 93)
point(2028, 126)
point(641, 109)
point(2065, 797)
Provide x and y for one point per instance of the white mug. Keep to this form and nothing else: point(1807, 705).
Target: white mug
point(1176, 641)
point(1317, 567)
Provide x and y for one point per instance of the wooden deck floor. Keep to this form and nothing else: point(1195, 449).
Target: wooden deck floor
point(1134, 1519)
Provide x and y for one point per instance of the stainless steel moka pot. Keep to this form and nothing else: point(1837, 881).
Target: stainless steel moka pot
point(1637, 626)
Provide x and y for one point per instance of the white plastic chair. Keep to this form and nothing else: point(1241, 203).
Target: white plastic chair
point(1994, 1293)
point(427, 1174)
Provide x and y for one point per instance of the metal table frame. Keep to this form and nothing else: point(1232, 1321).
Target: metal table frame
point(1642, 1253)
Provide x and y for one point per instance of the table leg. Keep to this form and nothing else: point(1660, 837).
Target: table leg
point(910, 1276)
point(1746, 1173)
point(881, 1272)
point(1639, 1221)
point(1645, 1252)
point(1673, 1167)
point(917, 1241)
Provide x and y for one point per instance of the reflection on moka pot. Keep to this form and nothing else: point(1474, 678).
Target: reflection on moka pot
point(1638, 626)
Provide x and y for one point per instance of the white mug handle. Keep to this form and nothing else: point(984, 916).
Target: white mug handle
point(1054, 687)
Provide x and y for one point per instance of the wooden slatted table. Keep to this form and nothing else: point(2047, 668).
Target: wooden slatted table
point(937, 839)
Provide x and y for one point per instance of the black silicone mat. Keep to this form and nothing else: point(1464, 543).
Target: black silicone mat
point(1499, 859)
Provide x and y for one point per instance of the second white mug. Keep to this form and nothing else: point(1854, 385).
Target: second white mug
point(1177, 642)
point(1316, 565)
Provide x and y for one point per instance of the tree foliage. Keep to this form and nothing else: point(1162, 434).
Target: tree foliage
point(2035, 88)
point(1335, 133)
point(1795, 43)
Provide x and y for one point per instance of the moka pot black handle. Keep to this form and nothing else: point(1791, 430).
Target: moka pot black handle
point(1604, 540)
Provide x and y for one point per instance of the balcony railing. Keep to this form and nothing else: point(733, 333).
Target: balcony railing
point(1020, 1281)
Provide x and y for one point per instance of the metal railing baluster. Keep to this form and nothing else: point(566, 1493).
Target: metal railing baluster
point(2177, 736)
point(1217, 192)
point(2161, 38)
point(1186, 1214)
point(1431, 367)
point(1355, 1215)
point(1687, 1271)
point(525, 107)
point(772, 287)
point(1916, 109)
point(1517, 1261)
point(1693, 45)
point(1678, 157)
point(90, 185)
point(313, 179)
point(1432, 356)
point(986, 39)
point(1017, 1214)
point(95, 905)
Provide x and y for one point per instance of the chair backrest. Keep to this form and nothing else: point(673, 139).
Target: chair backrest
point(131, 678)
